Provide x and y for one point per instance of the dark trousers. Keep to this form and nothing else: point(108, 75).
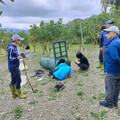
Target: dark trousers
point(104, 54)
point(15, 77)
point(83, 66)
point(112, 87)
point(100, 56)
point(52, 71)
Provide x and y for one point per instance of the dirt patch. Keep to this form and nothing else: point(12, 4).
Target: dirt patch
point(79, 100)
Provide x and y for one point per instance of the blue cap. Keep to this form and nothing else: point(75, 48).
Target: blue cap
point(112, 29)
point(109, 22)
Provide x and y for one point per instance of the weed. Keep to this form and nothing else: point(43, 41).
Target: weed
point(72, 57)
point(2, 92)
point(81, 98)
point(79, 84)
point(95, 115)
point(33, 102)
point(80, 93)
point(25, 92)
point(36, 90)
point(18, 112)
point(85, 74)
point(76, 107)
point(44, 83)
point(101, 96)
point(40, 94)
point(52, 94)
point(119, 112)
point(52, 98)
point(99, 116)
point(52, 80)
point(73, 71)
point(93, 86)
point(91, 100)
point(53, 90)
point(103, 113)
point(94, 97)
point(78, 118)
point(65, 82)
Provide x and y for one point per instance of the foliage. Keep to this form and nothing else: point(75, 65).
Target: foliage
point(18, 112)
point(99, 116)
point(44, 34)
point(80, 93)
point(1, 1)
point(26, 41)
point(4, 39)
point(78, 118)
point(101, 96)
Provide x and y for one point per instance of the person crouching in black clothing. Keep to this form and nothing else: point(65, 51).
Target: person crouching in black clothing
point(82, 61)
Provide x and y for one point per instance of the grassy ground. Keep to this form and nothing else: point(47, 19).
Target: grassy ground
point(78, 101)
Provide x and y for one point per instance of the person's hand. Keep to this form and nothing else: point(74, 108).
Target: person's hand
point(56, 69)
point(77, 61)
point(19, 57)
point(101, 49)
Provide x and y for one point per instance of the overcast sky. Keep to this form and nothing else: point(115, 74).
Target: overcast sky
point(22, 13)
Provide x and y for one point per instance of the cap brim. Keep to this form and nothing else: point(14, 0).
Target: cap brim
point(106, 30)
point(111, 22)
point(21, 38)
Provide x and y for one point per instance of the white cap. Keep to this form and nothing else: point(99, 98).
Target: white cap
point(16, 37)
point(112, 29)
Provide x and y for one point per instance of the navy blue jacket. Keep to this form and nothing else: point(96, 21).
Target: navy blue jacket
point(112, 58)
point(103, 39)
point(13, 61)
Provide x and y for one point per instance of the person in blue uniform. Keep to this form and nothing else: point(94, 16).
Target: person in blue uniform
point(112, 60)
point(104, 42)
point(13, 66)
point(101, 51)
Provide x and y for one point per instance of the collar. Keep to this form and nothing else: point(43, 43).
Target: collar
point(114, 38)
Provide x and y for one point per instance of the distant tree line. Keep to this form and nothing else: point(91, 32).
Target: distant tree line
point(44, 34)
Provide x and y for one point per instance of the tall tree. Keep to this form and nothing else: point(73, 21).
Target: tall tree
point(106, 3)
point(117, 4)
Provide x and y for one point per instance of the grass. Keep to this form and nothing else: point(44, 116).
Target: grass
point(81, 97)
point(2, 92)
point(78, 118)
point(94, 97)
point(103, 113)
point(18, 112)
point(52, 94)
point(72, 57)
point(52, 98)
point(44, 83)
point(80, 93)
point(36, 90)
point(79, 84)
point(40, 94)
point(33, 102)
point(99, 116)
point(85, 74)
point(119, 112)
point(101, 96)
point(25, 92)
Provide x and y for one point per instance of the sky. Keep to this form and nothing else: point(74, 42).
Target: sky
point(20, 14)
